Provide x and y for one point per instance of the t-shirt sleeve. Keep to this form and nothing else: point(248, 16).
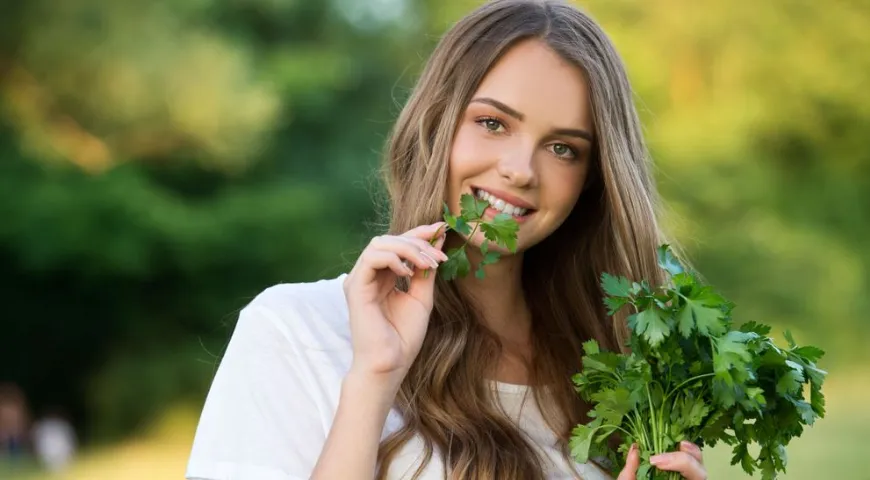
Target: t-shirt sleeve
point(260, 420)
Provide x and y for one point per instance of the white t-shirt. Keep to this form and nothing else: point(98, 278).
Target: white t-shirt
point(276, 391)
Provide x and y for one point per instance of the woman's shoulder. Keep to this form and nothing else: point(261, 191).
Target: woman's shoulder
point(277, 385)
point(312, 314)
point(327, 292)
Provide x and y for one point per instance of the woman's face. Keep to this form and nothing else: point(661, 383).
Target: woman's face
point(525, 139)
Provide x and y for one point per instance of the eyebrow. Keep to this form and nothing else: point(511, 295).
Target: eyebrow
point(570, 132)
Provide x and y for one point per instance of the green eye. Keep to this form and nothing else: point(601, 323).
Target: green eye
point(492, 125)
point(563, 150)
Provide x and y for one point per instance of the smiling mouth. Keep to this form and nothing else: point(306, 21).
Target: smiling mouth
point(502, 206)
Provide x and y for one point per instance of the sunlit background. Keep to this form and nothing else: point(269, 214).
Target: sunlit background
point(162, 161)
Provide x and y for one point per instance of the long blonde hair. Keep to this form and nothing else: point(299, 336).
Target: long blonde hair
point(445, 397)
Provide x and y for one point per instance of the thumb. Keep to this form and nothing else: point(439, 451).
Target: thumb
point(632, 462)
point(422, 286)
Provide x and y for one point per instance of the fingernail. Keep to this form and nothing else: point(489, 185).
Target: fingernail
point(689, 445)
point(431, 260)
point(656, 459)
point(632, 449)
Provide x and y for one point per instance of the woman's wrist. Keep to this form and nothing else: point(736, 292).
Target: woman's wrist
point(351, 447)
point(380, 389)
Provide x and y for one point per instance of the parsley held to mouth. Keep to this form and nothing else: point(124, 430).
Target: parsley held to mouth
point(692, 376)
point(502, 230)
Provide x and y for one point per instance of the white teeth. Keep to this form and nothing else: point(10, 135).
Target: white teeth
point(500, 204)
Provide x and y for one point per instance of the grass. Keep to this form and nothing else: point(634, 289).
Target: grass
point(160, 452)
point(832, 449)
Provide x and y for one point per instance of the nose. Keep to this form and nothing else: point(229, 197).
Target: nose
point(517, 167)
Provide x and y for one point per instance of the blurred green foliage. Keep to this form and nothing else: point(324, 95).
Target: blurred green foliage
point(163, 161)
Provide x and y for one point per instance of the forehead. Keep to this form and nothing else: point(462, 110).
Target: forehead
point(533, 79)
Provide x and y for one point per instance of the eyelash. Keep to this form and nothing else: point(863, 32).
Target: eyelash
point(482, 122)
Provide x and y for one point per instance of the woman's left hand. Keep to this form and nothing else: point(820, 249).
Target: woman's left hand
point(689, 462)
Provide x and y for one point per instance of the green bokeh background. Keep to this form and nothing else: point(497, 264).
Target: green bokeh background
point(161, 162)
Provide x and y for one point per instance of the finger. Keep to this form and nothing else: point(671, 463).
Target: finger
point(427, 248)
point(693, 450)
point(632, 462)
point(422, 286)
point(687, 465)
point(373, 261)
point(425, 232)
point(407, 250)
point(366, 268)
point(380, 260)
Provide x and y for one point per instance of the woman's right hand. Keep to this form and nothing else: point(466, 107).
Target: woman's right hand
point(688, 461)
point(387, 325)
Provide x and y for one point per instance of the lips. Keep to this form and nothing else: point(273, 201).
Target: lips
point(505, 196)
point(491, 213)
point(499, 204)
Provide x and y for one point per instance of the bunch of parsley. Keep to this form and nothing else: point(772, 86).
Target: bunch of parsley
point(691, 375)
point(502, 230)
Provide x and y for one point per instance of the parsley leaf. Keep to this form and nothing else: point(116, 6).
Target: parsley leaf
point(790, 382)
point(668, 261)
point(502, 230)
point(472, 208)
point(810, 353)
point(701, 312)
point(581, 439)
point(615, 286)
point(709, 383)
point(650, 324)
point(457, 264)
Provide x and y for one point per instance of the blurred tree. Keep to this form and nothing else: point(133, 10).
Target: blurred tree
point(757, 116)
point(242, 117)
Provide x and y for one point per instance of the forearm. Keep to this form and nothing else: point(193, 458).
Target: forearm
point(351, 447)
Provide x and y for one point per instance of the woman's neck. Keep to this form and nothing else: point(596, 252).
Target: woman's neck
point(501, 301)
point(508, 317)
point(500, 297)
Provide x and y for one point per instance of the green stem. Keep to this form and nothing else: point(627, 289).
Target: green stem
point(641, 428)
point(653, 421)
point(473, 230)
point(638, 433)
point(433, 240)
point(678, 387)
point(470, 235)
point(616, 427)
point(663, 426)
point(437, 234)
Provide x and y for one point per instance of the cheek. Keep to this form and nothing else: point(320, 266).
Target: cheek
point(468, 158)
point(467, 154)
point(564, 188)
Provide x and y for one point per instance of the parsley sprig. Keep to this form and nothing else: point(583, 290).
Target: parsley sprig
point(502, 230)
point(692, 376)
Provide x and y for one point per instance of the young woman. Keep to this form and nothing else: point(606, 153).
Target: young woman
point(389, 373)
